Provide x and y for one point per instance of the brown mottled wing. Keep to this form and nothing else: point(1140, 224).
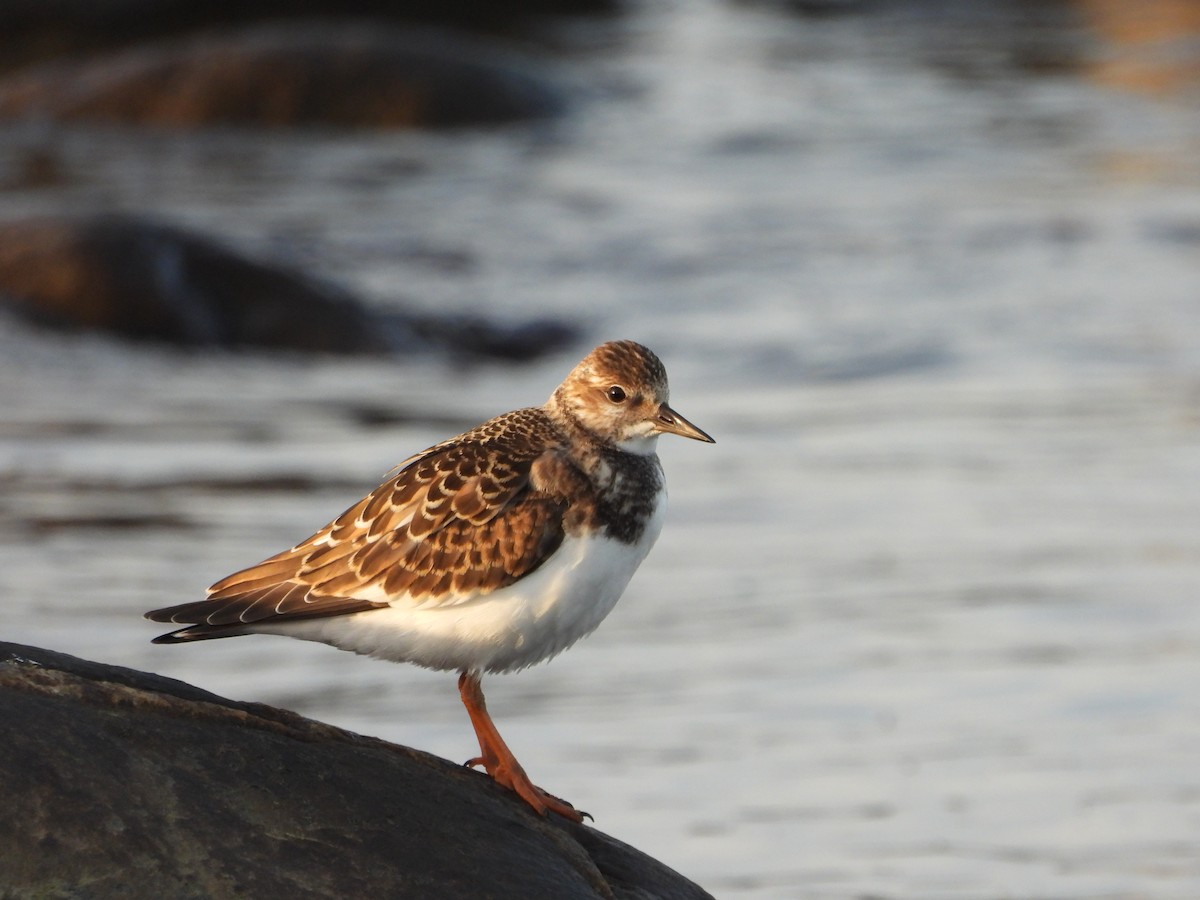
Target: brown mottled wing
point(462, 519)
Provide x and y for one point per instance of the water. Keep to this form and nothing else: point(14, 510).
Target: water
point(923, 622)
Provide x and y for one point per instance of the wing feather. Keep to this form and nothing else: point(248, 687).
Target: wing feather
point(462, 519)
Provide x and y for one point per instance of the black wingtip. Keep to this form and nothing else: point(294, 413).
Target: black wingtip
point(164, 615)
point(197, 633)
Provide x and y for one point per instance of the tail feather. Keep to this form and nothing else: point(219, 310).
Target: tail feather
point(199, 633)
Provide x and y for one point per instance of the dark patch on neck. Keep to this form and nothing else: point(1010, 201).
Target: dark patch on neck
point(625, 504)
point(625, 486)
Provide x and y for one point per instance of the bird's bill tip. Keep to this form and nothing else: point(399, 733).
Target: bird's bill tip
point(670, 422)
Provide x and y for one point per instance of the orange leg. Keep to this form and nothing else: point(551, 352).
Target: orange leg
point(498, 760)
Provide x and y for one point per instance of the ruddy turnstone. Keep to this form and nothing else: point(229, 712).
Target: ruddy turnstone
point(488, 552)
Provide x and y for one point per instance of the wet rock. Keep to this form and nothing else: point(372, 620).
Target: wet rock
point(346, 75)
point(147, 280)
point(119, 783)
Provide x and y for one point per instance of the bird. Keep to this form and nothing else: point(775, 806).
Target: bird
point(486, 553)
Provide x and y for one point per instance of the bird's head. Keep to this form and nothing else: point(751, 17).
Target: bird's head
point(619, 394)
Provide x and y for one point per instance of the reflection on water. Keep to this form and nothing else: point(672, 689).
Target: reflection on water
point(921, 624)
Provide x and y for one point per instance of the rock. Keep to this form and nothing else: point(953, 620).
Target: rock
point(120, 783)
point(339, 74)
point(36, 29)
point(151, 281)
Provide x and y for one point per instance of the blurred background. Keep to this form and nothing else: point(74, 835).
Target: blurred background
point(923, 622)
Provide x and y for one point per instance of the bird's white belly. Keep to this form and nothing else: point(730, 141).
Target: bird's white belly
point(511, 628)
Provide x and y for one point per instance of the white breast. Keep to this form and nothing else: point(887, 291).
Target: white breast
point(511, 628)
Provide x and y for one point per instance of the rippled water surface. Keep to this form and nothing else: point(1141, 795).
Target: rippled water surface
point(922, 624)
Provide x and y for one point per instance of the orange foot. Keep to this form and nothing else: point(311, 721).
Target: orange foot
point(498, 760)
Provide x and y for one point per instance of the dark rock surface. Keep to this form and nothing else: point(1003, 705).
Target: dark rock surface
point(333, 74)
point(147, 280)
point(118, 783)
point(36, 29)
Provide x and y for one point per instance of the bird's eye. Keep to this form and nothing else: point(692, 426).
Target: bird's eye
point(616, 394)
